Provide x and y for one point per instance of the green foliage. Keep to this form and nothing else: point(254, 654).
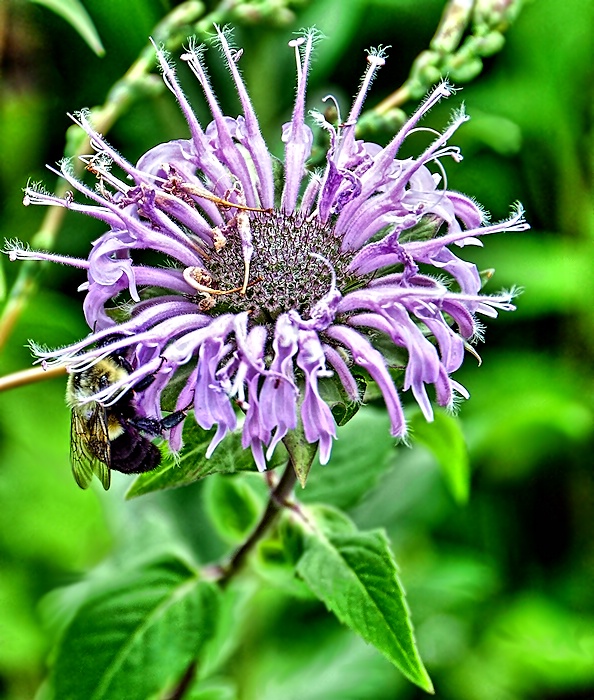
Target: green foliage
point(213, 690)
point(301, 452)
point(75, 14)
point(2, 281)
point(343, 408)
point(363, 452)
point(355, 576)
point(445, 440)
point(500, 590)
point(136, 637)
point(234, 503)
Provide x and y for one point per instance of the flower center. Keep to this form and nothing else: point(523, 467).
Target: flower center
point(284, 274)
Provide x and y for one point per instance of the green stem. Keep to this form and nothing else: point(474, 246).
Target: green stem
point(454, 20)
point(278, 499)
point(185, 682)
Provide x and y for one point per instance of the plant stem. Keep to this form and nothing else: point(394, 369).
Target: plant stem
point(277, 501)
point(28, 376)
point(454, 19)
point(184, 684)
point(395, 99)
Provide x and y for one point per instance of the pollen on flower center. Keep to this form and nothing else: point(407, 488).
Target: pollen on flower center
point(284, 274)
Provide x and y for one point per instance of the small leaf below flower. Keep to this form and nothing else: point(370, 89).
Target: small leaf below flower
point(234, 504)
point(302, 453)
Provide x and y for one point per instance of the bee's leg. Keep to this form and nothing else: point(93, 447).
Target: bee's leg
point(144, 383)
point(153, 426)
point(173, 419)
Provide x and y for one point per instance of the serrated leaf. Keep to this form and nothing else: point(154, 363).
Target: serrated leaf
point(192, 464)
point(444, 438)
point(136, 638)
point(78, 18)
point(355, 575)
point(363, 452)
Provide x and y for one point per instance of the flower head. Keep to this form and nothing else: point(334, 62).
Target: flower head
point(262, 291)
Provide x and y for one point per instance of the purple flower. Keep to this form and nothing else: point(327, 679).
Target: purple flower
point(262, 292)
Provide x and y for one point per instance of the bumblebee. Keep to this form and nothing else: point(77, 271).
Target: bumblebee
point(102, 437)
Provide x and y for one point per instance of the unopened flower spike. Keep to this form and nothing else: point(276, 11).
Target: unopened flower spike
point(262, 302)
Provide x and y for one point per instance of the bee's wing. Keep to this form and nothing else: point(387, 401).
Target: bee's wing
point(89, 445)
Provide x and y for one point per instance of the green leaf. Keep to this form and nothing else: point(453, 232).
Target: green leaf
point(192, 464)
point(76, 15)
point(427, 228)
point(234, 504)
point(445, 440)
point(363, 452)
point(356, 577)
point(138, 637)
point(342, 406)
point(331, 521)
point(301, 451)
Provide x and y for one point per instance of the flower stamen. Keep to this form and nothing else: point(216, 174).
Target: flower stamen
point(193, 274)
point(205, 194)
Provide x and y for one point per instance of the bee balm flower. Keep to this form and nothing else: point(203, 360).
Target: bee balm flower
point(266, 290)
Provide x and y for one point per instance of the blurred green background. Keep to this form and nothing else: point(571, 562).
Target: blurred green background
point(502, 588)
